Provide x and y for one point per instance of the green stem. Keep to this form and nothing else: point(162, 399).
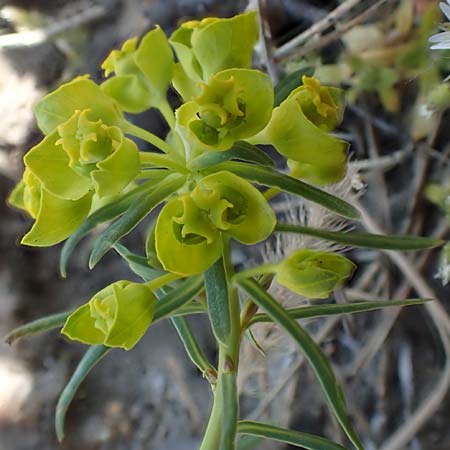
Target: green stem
point(254, 272)
point(271, 193)
point(153, 174)
point(212, 436)
point(167, 113)
point(161, 281)
point(234, 339)
point(146, 136)
point(221, 430)
point(156, 159)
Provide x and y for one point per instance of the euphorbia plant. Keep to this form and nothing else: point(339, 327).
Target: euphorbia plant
point(208, 177)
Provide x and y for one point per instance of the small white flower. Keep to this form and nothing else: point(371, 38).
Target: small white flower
point(441, 41)
point(443, 272)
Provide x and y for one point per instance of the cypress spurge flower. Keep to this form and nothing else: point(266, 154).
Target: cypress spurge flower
point(117, 316)
point(211, 45)
point(189, 227)
point(84, 153)
point(99, 152)
point(300, 130)
point(79, 94)
point(235, 104)
point(142, 72)
point(75, 161)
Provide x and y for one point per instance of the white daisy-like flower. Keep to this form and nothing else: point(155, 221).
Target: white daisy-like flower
point(441, 41)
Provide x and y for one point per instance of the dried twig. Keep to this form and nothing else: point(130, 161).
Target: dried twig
point(32, 38)
point(270, 396)
point(336, 34)
point(266, 41)
point(386, 162)
point(318, 27)
point(426, 409)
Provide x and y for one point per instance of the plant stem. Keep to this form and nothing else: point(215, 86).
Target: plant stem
point(156, 159)
point(167, 113)
point(146, 136)
point(271, 193)
point(215, 437)
point(161, 281)
point(211, 439)
point(263, 269)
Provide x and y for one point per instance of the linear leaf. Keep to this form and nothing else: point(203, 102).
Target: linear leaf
point(230, 405)
point(311, 351)
point(304, 440)
point(307, 312)
point(287, 84)
point(103, 214)
point(241, 150)
point(217, 296)
point(137, 263)
point(191, 346)
point(37, 326)
point(189, 309)
point(133, 216)
point(271, 177)
point(178, 297)
point(93, 355)
point(248, 442)
point(368, 240)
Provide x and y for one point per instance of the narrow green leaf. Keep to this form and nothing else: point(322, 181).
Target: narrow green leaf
point(247, 442)
point(190, 343)
point(217, 295)
point(191, 346)
point(251, 337)
point(230, 406)
point(368, 240)
point(137, 263)
point(287, 84)
point(240, 150)
point(87, 363)
point(271, 177)
point(178, 297)
point(103, 214)
point(311, 351)
point(307, 312)
point(190, 308)
point(304, 440)
point(133, 216)
point(37, 326)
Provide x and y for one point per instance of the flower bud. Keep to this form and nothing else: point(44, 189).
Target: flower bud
point(117, 316)
point(313, 273)
point(142, 73)
point(27, 194)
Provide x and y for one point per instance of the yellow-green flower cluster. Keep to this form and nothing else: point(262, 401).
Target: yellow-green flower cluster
point(87, 160)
